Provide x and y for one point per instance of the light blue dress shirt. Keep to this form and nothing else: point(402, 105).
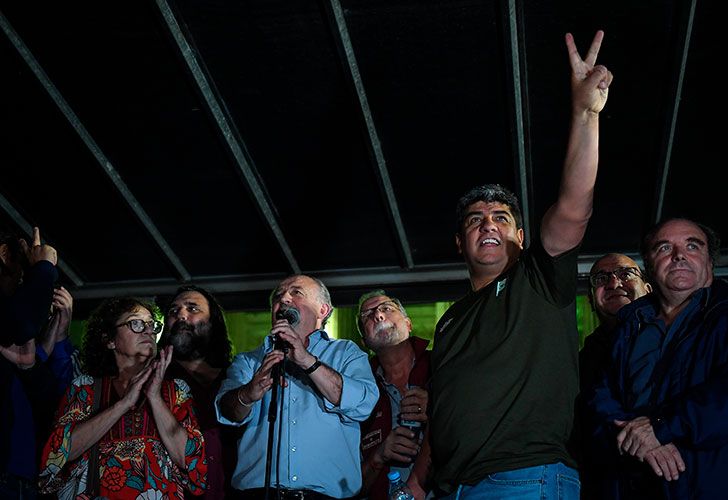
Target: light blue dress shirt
point(320, 441)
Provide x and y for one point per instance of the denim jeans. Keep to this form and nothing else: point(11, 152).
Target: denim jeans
point(542, 482)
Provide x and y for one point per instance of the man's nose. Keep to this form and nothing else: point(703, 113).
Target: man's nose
point(486, 225)
point(613, 282)
point(677, 253)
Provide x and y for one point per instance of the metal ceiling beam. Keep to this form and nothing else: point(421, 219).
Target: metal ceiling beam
point(94, 148)
point(372, 277)
point(346, 278)
point(28, 229)
point(664, 166)
point(519, 117)
point(346, 51)
point(226, 124)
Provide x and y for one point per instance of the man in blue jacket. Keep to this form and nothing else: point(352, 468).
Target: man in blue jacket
point(662, 408)
point(27, 388)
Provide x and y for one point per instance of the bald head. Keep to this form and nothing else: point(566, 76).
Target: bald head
point(615, 280)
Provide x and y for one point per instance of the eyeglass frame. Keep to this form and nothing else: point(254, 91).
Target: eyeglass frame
point(154, 324)
point(628, 274)
point(366, 314)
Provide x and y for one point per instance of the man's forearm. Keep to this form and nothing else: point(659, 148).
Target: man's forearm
point(233, 406)
point(329, 382)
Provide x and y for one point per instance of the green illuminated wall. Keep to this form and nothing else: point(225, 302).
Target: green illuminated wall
point(247, 329)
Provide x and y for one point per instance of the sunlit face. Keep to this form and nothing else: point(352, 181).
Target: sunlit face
point(128, 344)
point(679, 257)
point(383, 323)
point(489, 237)
point(188, 325)
point(615, 293)
point(303, 293)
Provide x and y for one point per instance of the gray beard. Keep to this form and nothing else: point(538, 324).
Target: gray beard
point(385, 334)
point(190, 341)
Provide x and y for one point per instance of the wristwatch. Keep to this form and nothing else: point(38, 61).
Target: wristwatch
point(313, 367)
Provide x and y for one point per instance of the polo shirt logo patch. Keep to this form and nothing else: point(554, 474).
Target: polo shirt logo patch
point(500, 286)
point(371, 439)
point(444, 325)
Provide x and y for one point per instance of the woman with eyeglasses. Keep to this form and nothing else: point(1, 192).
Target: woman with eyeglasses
point(138, 428)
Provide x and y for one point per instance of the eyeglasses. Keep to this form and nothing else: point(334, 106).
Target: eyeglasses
point(385, 308)
point(139, 325)
point(623, 274)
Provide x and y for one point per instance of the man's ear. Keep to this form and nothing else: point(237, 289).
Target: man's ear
point(4, 252)
point(458, 243)
point(520, 235)
point(648, 287)
point(324, 311)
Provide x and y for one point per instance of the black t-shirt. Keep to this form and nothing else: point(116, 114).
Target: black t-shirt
point(505, 372)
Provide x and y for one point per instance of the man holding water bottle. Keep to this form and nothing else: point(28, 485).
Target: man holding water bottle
point(394, 437)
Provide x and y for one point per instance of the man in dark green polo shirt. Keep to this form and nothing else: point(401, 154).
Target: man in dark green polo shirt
point(505, 356)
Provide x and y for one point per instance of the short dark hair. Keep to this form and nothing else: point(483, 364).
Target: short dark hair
point(220, 349)
point(713, 241)
point(12, 240)
point(98, 360)
point(368, 295)
point(487, 193)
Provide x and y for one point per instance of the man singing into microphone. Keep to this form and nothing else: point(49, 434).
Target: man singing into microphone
point(328, 388)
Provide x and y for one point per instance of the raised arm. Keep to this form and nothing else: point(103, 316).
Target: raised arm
point(565, 221)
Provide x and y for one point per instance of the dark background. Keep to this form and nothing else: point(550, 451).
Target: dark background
point(232, 143)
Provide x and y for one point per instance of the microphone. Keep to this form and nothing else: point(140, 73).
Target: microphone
point(291, 315)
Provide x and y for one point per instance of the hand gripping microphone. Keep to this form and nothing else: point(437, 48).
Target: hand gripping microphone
point(291, 315)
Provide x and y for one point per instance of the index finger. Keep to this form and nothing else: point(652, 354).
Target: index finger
point(270, 359)
point(36, 236)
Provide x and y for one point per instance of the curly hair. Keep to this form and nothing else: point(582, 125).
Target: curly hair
point(98, 360)
point(220, 349)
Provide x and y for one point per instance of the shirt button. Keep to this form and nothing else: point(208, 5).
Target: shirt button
point(293, 422)
point(294, 398)
point(294, 478)
point(293, 449)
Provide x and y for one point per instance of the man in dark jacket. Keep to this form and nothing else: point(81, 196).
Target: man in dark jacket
point(392, 437)
point(615, 280)
point(662, 405)
point(27, 388)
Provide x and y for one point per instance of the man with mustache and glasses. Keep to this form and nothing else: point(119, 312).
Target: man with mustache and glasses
point(663, 403)
point(392, 437)
point(504, 360)
point(615, 280)
point(195, 326)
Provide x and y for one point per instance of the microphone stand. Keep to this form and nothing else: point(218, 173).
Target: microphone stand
point(279, 370)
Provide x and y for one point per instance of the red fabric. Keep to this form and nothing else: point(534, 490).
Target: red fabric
point(377, 427)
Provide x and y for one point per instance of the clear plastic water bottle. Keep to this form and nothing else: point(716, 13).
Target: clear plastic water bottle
point(398, 490)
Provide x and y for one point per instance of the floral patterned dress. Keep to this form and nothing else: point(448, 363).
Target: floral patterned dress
point(133, 461)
